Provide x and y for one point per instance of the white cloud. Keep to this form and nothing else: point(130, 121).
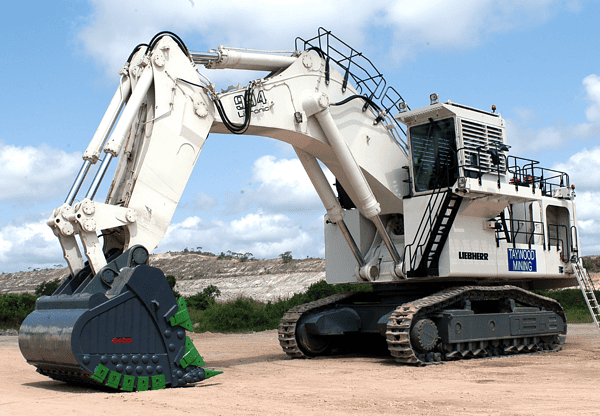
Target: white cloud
point(589, 235)
point(592, 86)
point(458, 24)
point(525, 134)
point(583, 169)
point(584, 172)
point(281, 212)
point(35, 173)
point(283, 185)
point(29, 245)
point(264, 235)
point(587, 203)
point(115, 27)
point(201, 202)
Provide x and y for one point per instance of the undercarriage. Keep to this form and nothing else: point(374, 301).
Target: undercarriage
point(420, 329)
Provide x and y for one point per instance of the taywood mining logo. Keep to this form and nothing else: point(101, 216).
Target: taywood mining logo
point(521, 260)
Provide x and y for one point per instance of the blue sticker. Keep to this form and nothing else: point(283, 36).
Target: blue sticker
point(521, 260)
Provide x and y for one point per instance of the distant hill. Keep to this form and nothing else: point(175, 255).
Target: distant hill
point(592, 263)
point(262, 280)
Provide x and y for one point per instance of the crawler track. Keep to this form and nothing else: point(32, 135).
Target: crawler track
point(401, 321)
point(287, 326)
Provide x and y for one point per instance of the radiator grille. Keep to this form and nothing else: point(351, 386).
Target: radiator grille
point(476, 135)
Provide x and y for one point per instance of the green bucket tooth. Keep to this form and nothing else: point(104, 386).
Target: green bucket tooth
point(142, 383)
point(182, 317)
point(158, 382)
point(211, 373)
point(113, 380)
point(128, 383)
point(191, 356)
point(100, 373)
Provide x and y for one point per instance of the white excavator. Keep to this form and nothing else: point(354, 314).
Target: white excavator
point(429, 207)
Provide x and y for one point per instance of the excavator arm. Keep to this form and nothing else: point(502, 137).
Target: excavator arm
point(169, 110)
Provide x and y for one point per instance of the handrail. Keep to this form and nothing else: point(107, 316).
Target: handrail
point(529, 175)
point(514, 232)
point(358, 70)
point(560, 243)
point(574, 240)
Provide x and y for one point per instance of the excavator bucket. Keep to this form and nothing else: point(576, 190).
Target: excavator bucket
point(124, 330)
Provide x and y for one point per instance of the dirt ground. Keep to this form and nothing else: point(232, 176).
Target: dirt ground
point(260, 380)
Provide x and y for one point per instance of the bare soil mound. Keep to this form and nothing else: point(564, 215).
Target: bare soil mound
point(263, 280)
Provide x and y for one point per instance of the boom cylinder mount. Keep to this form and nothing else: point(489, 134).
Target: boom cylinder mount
point(318, 105)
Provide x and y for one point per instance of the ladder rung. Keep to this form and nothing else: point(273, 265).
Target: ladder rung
point(588, 290)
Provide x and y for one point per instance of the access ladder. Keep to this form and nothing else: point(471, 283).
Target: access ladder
point(587, 289)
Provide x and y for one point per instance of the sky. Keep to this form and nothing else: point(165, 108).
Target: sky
point(537, 61)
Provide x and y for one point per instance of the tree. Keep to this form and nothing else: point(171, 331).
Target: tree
point(172, 282)
point(286, 257)
point(202, 300)
point(47, 288)
point(246, 256)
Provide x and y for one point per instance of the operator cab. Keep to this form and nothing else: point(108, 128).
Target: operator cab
point(448, 141)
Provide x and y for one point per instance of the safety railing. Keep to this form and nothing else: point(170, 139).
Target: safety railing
point(526, 172)
point(359, 71)
point(523, 231)
point(558, 239)
point(523, 172)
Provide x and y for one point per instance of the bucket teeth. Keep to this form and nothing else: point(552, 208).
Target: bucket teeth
point(100, 373)
point(211, 373)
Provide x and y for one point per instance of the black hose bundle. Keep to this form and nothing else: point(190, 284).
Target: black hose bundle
point(232, 127)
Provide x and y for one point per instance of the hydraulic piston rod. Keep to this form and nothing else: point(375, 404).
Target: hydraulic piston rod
point(318, 105)
point(114, 144)
point(78, 181)
point(92, 153)
point(224, 58)
point(99, 176)
point(332, 205)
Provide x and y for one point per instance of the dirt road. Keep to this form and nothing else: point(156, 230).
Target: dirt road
point(260, 380)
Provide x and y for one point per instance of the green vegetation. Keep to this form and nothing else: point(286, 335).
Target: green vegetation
point(172, 282)
point(47, 288)
point(15, 308)
point(573, 303)
point(247, 314)
point(286, 257)
point(232, 255)
point(203, 300)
